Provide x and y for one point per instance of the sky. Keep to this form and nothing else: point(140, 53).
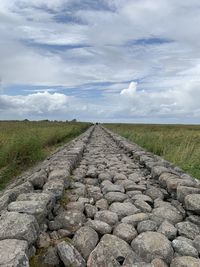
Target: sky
point(100, 60)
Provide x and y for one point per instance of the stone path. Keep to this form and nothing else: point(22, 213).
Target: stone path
point(116, 212)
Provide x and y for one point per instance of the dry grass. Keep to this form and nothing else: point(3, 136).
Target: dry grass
point(23, 143)
point(179, 144)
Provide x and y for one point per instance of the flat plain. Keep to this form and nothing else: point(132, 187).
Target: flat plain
point(23, 143)
point(180, 144)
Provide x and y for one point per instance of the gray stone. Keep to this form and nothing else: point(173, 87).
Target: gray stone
point(143, 206)
point(102, 204)
point(16, 225)
point(69, 255)
point(158, 263)
point(119, 176)
point(168, 213)
point(85, 240)
point(143, 198)
point(156, 171)
point(48, 199)
point(69, 220)
point(13, 253)
point(43, 240)
point(113, 188)
point(185, 261)
point(99, 226)
point(105, 176)
point(183, 191)
point(151, 245)
point(168, 229)
point(94, 192)
point(4, 201)
point(194, 219)
point(35, 208)
point(123, 209)
point(75, 206)
point(146, 225)
point(188, 229)
point(90, 210)
point(125, 231)
point(135, 218)
point(38, 179)
point(196, 243)
point(56, 187)
point(115, 197)
point(50, 257)
point(22, 188)
point(184, 249)
point(192, 203)
point(107, 216)
point(154, 193)
point(108, 251)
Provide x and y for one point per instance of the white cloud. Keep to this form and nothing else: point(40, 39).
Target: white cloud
point(130, 91)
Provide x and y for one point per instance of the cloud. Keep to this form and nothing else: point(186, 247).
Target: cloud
point(130, 91)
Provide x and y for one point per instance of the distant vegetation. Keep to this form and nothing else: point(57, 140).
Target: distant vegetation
point(23, 143)
point(179, 144)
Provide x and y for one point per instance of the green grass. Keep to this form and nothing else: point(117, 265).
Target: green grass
point(23, 143)
point(179, 144)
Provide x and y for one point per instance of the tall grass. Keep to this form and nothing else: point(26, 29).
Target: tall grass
point(179, 144)
point(22, 144)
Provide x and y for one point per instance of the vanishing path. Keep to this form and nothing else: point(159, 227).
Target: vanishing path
point(120, 209)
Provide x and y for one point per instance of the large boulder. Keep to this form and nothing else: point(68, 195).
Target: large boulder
point(109, 252)
point(192, 203)
point(13, 253)
point(150, 245)
point(85, 240)
point(21, 226)
point(70, 255)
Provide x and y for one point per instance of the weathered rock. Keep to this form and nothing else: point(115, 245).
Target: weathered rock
point(99, 226)
point(123, 209)
point(69, 220)
point(185, 261)
point(38, 179)
point(192, 203)
point(102, 204)
point(158, 263)
point(183, 248)
point(85, 240)
point(69, 255)
point(36, 208)
point(113, 188)
point(90, 210)
point(21, 226)
point(43, 240)
point(183, 191)
point(143, 206)
point(56, 187)
point(119, 176)
point(151, 245)
point(109, 250)
point(188, 229)
point(154, 193)
point(51, 257)
point(75, 206)
point(143, 198)
point(94, 192)
point(105, 176)
point(170, 213)
point(135, 218)
point(196, 243)
point(146, 225)
point(115, 197)
point(13, 253)
point(107, 216)
point(125, 231)
point(167, 229)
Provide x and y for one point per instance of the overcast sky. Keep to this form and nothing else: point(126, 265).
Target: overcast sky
point(100, 60)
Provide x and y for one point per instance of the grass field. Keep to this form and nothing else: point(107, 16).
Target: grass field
point(179, 144)
point(23, 143)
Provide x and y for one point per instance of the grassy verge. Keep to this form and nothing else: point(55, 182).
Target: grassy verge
point(22, 144)
point(179, 144)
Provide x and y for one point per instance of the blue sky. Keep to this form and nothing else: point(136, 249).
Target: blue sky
point(105, 60)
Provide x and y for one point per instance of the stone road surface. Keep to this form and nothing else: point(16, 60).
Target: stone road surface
point(117, 214)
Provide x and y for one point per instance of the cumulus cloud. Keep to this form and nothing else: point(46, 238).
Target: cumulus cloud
point(130, 91)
